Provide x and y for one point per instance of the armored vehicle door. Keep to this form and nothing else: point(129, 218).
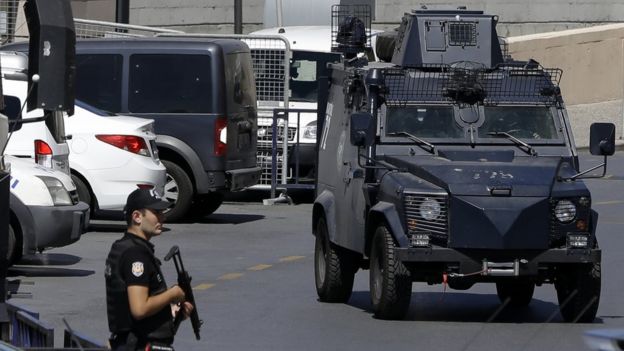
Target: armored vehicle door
point(346, 178)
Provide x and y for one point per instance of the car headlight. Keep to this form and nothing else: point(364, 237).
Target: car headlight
point(60, 195)
point(309, 131)
point(262, 132)
point(430, 209)
point(565, 211)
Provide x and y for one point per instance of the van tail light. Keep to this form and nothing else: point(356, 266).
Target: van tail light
point(131, 143)
point(43, 154)
point(220, 139)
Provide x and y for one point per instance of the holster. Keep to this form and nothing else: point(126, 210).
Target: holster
point(124, 342)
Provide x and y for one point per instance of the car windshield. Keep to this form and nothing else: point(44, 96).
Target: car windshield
point(523, 122)
point(305, 69)
point(423, 121)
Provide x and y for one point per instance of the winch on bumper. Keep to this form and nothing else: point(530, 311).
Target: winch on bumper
point(495, 263)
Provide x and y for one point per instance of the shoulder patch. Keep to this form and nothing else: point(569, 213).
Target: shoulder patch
point(137, 268)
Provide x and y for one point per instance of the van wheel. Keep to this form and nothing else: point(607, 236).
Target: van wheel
point(14, 249)
point(206, 204)
point(178, 190)
point(84, 194)
point(334, 269)
point(519, 294)
point(390, 280)
point(578, 293)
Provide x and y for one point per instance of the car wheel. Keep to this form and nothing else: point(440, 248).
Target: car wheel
point(334, 269)
point(84, 194)
point(578, 293)
point(519, 294)
point(390, 280)
point(206, 204)
point(14, 248)
point(178, 190)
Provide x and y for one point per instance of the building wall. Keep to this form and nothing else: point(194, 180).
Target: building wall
point(517, 17)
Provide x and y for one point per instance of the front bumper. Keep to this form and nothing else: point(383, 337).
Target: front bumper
point(496, 262)
point(56, 226)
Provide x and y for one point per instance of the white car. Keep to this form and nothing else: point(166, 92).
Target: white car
point(109, 157)
point(44, 209)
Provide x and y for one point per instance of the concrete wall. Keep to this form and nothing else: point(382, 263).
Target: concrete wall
point(592, 60)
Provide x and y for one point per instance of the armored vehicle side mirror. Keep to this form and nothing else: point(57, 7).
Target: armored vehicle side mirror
point(602, 139)
point(363, 129)
point(12, 109)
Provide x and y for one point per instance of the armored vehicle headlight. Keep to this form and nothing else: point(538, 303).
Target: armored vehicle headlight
point(565, 211)
point(430, 209)
point(309, 131)
point(60, 196)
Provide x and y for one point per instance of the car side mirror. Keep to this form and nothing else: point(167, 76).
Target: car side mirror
point(602, 139)
point(13, 110)
point(363, 128)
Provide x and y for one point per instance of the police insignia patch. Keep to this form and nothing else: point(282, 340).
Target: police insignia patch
point(137, 269)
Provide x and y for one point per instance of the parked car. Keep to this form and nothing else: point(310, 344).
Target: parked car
point(44, 209)
point(110, 155)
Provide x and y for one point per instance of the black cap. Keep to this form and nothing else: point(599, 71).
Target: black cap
point(144, 198)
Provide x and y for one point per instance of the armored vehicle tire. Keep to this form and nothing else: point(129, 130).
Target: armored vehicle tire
point(206, 204)
point(578, 293)
point(519, 294)
point(390, 281)
point(334, 269)
point(14, 252)
point(179, 190)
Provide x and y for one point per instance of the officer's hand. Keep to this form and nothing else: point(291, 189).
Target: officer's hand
point(178, 294)
point(187, 309)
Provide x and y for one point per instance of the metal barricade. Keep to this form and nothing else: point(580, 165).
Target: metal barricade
point(26, 328)
point(290, 179)
point(100, 29)
point(8, 18)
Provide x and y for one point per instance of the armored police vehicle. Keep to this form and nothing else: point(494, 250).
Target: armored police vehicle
point(449, 164)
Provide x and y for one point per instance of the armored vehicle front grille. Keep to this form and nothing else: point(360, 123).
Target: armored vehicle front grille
point(265, 133)
point(416, 224)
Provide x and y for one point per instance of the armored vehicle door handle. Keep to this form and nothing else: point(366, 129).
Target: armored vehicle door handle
point(500, 191)
point(353, 174)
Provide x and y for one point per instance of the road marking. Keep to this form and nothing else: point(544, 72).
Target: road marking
point(230, 276)
point(614, 202)
point(259, 267)
point(291, 258)
point(204, 286)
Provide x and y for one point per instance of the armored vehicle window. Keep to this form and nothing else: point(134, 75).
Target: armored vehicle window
point(170, 84)
point(423, 121)
point(530, 122)
point(98, 80)
point(305, 69)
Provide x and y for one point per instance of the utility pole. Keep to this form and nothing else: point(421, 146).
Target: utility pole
point(122, 14)
point(238, 16)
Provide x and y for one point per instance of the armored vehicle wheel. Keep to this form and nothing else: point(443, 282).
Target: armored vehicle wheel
point(179, 190)
point(334, 269)
point(578, 292)
point(14, 247)
point(519, 294)
point(390, 281)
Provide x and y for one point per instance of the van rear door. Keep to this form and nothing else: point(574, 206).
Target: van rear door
point(242, 126)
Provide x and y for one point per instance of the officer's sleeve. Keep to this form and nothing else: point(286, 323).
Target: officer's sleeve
point(136, 267)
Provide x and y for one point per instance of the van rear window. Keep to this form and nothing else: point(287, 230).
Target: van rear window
point(105, 69)
point(170, 84)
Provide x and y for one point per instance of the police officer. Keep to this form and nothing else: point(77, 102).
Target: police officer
point(140, 306)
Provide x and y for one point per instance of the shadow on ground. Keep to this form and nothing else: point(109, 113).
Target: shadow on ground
point(466, 307)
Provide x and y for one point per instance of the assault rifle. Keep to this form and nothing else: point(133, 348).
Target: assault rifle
point(184, 281)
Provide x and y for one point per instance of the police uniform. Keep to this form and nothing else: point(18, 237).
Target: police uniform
point(131, 261)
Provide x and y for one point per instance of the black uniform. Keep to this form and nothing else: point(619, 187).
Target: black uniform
point(131, 261)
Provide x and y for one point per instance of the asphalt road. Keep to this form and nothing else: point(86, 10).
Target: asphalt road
point(252, 268)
